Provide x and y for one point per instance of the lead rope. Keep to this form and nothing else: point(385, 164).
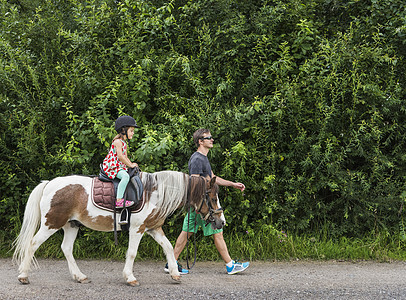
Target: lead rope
point(187, 244)
point(187, 233)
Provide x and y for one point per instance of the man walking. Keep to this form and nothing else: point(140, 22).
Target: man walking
point(199, 165)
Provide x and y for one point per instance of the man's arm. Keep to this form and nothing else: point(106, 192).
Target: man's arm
point(224, 182)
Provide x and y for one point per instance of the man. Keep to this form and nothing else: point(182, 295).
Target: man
point(199, 165)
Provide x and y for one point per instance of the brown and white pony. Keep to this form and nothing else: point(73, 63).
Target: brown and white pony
point(65, 201)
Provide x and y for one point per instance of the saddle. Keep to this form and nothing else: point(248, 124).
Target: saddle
point(105, 190)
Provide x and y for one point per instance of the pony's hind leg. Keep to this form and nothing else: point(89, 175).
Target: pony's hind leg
point(70, 233)
point(40, 237)
point(159, 236)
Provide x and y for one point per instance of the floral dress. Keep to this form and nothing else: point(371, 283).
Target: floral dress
point(111, 164)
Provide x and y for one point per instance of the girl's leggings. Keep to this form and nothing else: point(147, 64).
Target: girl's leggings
point(124, 179)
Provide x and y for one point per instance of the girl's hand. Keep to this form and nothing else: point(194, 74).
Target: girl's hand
point(134, 165)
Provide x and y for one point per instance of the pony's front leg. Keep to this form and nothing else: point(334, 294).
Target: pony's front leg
point(133, 243)
point(159, 236)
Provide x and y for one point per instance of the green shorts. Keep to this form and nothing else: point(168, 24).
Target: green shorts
point(207, 230)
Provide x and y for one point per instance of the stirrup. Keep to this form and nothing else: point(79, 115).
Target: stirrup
point(124, 216)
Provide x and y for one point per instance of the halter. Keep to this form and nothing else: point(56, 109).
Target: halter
point(209, 218)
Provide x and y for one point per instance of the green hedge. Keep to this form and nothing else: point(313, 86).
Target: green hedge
point(304, 99)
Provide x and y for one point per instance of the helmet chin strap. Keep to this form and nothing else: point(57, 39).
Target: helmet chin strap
point(124, 132)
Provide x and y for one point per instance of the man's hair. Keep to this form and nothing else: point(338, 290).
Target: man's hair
point(198, 135)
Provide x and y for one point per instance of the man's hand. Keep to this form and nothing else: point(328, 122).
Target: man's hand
point(239, 185)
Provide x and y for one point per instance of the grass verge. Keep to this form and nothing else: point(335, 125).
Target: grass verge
point(261, 245)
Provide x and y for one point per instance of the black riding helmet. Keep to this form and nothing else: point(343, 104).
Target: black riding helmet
point(124, 121)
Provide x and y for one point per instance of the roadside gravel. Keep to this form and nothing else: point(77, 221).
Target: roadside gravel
point(208, 280)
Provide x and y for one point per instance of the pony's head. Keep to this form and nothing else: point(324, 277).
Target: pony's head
point(209, 205)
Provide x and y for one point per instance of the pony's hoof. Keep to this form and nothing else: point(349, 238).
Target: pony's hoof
point(133, 283)
point(84, 281)
point(176, 278)
point(23, 280)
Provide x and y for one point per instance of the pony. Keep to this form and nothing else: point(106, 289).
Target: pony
point(66, 202)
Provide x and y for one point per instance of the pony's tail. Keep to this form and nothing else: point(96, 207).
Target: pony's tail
point(31, 221)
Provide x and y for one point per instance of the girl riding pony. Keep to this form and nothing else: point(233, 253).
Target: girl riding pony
point(116, 163)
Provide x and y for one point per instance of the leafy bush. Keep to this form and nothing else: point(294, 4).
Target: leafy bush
point(305, 101)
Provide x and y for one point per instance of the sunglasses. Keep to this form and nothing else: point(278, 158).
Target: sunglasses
point(207, 138)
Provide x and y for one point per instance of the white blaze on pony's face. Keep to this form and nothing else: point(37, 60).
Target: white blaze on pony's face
point(214, 213)
point(222, 218)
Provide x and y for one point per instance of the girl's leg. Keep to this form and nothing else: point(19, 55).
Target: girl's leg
point(124, 179)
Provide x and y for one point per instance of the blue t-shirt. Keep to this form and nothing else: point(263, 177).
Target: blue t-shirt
point(199, 164)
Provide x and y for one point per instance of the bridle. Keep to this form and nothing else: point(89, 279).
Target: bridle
point(209, 217)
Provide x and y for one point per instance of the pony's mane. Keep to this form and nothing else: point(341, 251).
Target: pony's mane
point(175, 189)
point(172, 190)
point(197, 188)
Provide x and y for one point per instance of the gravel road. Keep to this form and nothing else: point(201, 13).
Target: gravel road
point(208, 280)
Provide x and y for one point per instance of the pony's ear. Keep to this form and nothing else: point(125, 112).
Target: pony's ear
point(212, 181)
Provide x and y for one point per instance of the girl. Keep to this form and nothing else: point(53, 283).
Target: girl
point(116, 162)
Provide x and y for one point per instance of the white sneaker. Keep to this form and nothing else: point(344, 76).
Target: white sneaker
point(237, 267)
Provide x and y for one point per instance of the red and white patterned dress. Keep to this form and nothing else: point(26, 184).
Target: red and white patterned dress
point(111, 164)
